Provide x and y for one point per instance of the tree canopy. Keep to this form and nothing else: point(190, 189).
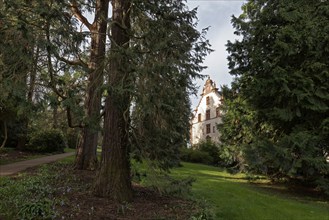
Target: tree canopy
point(281, 83)
point(134, 69)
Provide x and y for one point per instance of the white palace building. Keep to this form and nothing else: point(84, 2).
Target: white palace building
point(207, 115)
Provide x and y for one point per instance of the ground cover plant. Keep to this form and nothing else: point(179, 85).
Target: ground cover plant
point(56, 191)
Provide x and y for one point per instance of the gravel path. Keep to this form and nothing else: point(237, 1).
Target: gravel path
point(10, 169)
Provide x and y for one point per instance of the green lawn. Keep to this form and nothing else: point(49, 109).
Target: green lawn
point(232, 197)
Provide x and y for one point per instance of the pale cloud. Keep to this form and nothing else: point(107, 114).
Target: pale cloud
point(216, 14)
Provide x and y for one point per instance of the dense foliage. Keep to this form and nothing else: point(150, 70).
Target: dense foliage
point(35, 82)
point(172, 54)
point(277, 120)
point(47, 141)
point(195, 156)
point(206, 152)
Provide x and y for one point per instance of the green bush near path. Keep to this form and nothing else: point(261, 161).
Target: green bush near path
point(47, 141)
point(232, 197)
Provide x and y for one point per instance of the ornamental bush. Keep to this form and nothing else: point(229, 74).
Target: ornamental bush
point(47, 141)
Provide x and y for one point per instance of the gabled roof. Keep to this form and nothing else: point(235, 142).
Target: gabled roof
point(209, 86)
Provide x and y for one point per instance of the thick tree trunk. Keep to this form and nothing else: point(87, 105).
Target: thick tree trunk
point(113, 179)
point(86, 157)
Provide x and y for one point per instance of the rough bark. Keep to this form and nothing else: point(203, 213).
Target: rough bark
point(86, 157)
point(113, 178)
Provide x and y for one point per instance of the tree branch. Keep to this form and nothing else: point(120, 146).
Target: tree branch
point(50, 67)
point(69, 119)
point(77, 62)
point(77, 13)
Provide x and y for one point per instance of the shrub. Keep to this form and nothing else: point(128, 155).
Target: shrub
point(47, 141)
point(198, 156)
point(195, 156)
point(211, 148)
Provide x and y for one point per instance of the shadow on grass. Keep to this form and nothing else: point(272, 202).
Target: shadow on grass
point(301, 193)
point(262, 185)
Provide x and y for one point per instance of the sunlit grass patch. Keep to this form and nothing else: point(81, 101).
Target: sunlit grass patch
point(234, 197)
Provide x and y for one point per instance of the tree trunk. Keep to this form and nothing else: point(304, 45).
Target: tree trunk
point(86, 157)
point(55, 116)
point(113, 178)
point(22, 139)
point(5, 135)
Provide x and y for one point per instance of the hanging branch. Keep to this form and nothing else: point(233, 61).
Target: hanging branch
point(52, 82)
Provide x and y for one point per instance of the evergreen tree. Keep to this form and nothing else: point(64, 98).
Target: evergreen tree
point(165, 37)
point(281, 67)
point(18, 58)
point(155, 53)
point(37, 36)
point(235, 129)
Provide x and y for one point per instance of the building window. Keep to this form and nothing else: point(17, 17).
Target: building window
point(208, 114)
point(217, 112)
point(208, 128)
point(199, 117)
point(208, 138)
point(208, 100)
point(214, 129)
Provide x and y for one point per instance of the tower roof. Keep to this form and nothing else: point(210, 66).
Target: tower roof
point(208, 87)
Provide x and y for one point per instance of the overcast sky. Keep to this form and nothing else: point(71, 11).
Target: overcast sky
point(216, 14)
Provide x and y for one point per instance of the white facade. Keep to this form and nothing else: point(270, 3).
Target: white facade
point(207, 115)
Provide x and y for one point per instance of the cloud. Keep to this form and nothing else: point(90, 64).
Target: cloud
point(217, 15)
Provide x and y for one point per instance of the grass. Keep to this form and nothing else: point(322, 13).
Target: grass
point(232, 197)
point(228, 196)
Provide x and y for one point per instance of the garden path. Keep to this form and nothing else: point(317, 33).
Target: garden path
point(10, 169)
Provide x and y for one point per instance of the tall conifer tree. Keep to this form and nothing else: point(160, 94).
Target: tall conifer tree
point(155, 52)
point(282, 72)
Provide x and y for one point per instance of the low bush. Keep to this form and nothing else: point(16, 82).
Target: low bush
point(47, 141)
point(211, 148)
point(195, 156)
